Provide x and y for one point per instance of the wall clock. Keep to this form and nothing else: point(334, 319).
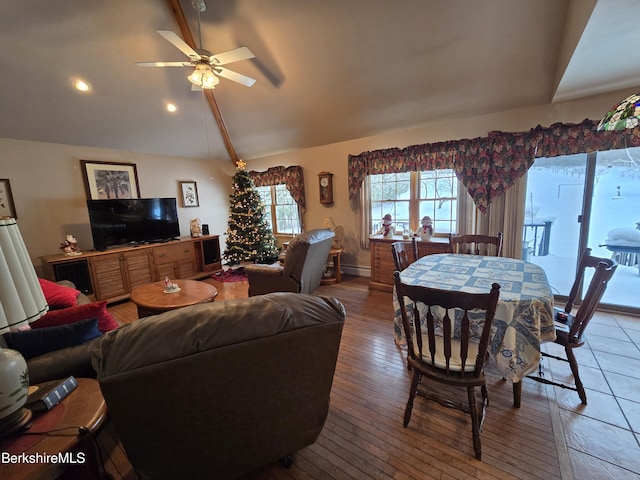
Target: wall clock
point(326, 187)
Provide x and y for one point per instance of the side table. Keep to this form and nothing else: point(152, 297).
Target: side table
point(56, 434)
point(334, 255)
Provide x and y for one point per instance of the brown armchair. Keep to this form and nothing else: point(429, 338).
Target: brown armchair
point(304, 266)
point(216, 390)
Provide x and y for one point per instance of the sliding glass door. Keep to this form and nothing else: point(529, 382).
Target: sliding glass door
point(614, 222)
point(584, 200)
point(554, 203)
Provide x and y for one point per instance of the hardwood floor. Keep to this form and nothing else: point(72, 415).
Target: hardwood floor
point(363, 437)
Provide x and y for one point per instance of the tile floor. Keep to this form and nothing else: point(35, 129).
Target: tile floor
point(603, 437)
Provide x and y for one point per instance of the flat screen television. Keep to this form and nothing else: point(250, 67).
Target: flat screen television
point(132, 221)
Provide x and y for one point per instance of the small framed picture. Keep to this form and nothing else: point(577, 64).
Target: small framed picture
point(189, 194)
point(106, 180)
point(7, 208)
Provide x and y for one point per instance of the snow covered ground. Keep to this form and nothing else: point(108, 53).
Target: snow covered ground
point(555, 191)
point(623, 289)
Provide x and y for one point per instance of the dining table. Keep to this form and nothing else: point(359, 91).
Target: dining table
point(524, 314)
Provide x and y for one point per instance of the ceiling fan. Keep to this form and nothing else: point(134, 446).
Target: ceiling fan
point(208, 66)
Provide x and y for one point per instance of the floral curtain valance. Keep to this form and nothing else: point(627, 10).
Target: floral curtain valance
point(291, 176)
point(431, 156)
point(489, 166)
point(567, 139)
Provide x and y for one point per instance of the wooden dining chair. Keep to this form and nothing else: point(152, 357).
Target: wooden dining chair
point(404, 253)
point(476, 244)
point(435, 356)
point(570, 328)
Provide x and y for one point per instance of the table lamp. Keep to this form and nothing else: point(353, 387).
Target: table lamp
point(338, 231)
point(21, 302)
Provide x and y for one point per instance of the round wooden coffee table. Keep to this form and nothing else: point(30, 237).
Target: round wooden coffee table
point(152, 300)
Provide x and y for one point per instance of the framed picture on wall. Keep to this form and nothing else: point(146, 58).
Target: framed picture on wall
point(189, 194)
point(7, 208)
point(106, 180)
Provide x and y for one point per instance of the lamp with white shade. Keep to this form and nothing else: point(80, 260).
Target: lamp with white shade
point(338, 230)
point(21, 302)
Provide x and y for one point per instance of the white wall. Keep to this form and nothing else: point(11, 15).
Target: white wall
point(49, 194)
point(333, 158)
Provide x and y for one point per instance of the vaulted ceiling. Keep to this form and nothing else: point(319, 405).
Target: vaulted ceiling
point(326, 71)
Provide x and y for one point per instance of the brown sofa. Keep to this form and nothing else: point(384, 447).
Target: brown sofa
point(304, 266)
point(217, 390)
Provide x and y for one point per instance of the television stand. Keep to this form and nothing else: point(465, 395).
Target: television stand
point(114, 273)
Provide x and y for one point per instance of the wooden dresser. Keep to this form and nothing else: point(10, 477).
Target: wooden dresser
point(112, 274)
point(382, 266)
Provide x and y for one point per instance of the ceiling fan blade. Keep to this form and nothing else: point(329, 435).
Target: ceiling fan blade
point(179, 43)
point(164, 64)
point(234, 76)
point(235, 55)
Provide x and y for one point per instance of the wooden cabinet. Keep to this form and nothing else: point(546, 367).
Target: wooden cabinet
point(382, 266)
point(175, 261)
point(139, 267)
point(208, 254)
point(114, 273)
point(108, 276)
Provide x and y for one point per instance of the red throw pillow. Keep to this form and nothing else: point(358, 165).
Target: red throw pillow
point(59, 296)
point(80, 312)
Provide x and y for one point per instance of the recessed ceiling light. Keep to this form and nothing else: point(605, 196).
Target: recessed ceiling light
point(170, 107)
point(81, 85)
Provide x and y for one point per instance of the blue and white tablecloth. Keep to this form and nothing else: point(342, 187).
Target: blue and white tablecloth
point(524, 316)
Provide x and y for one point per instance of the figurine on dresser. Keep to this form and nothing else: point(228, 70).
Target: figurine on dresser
point(426, 229)
point(196, 227)
point(387, 229)
point(70, 246)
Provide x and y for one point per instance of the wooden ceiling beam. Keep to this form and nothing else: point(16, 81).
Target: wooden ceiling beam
point(178, 15)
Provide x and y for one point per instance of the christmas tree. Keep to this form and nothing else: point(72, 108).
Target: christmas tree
point(249, 237)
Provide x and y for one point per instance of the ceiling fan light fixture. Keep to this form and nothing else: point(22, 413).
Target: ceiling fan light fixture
point(204, 77)
point(196, 76)
point(209, 79)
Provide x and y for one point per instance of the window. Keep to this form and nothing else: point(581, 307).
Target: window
point(438, 198)
point(409, 196)
point(281, 209)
